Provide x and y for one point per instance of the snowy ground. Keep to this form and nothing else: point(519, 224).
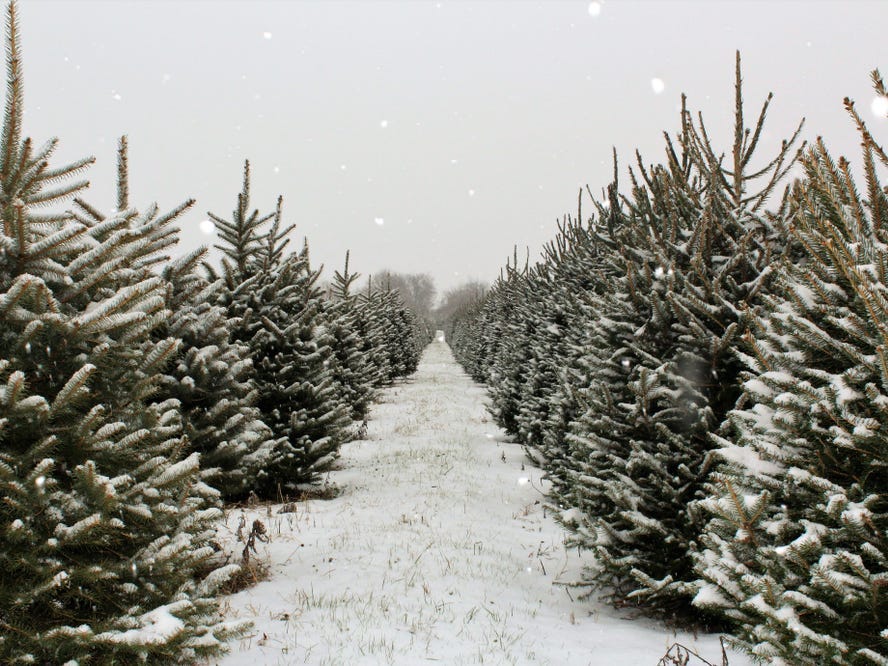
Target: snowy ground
point(438, 549)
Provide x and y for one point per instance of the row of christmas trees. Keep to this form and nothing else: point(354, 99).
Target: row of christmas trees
point(138, 393)
point(704, 376)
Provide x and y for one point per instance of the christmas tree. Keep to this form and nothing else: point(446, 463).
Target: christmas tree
point(354, 370)
point(795, 548)
point(211, 376)
point(277, 309)
point(106, 525)
point(698, 250)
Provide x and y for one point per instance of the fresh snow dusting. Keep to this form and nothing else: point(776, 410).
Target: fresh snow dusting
point(439, 548)
point(157, 627)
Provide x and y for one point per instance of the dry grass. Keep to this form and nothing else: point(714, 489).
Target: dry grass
point(681, 655)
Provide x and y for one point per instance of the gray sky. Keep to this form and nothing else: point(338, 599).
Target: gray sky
point(423, 136)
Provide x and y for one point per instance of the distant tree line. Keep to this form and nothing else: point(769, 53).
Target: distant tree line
point(139, 392)
point(701, 366)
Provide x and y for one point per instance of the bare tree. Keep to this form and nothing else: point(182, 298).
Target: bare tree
point(417, 289)
point(458, 299)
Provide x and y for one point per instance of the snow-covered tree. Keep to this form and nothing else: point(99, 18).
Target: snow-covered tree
point(105, 525)
point(795, 549)
point(212, 378)
point(396, 332)
point(211, 375)
point(277, 309)
point(354, 370)
point(698, 251)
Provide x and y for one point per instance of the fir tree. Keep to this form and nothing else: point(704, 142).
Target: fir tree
point(795, 548)
point(353, 371)
point(698, 252)
point(277, 309)
point(211, 376)
point(105, 524)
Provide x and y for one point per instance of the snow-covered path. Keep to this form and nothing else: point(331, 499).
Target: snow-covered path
point(438, 549)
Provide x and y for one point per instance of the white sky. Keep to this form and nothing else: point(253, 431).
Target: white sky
point(423, 136)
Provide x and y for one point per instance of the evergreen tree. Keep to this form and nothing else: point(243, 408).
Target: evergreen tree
point(698, 251)
point(795, 548)
point(211, 376)
point(353, 371)
point(105, 523)
point(277, 309)
point(395, 333)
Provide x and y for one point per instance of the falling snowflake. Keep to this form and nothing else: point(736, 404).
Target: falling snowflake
point(471, 193)
point(166, 78)
point(116, 96)
point(342, 167)
point(379, 221)
point(594, 8)
point(207, 226)
point(383, 123)
point(266, 35)
point(879, 107)
point(657, 85)
point(277, 169)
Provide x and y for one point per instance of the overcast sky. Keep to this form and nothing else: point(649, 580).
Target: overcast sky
point(423, 136)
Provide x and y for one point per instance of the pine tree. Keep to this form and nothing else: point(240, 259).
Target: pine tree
point(353, 371)
point(394, 333)
point(698, 253)
point(105, 524)
point(211, 376)
point(795, 548)
point(277, 309)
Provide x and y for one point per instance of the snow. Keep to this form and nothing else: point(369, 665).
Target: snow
point(207, 226)
point(158, 626)
point(749, 459)
point(710, 595)
point(879, 107)
point(594, 9)
point(657, 85)
point(379, 221)
point(432, 552)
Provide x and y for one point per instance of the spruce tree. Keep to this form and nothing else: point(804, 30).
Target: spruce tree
point(353, 371)
point(795, 548)
point(211, 376)
point(106, 525)
point(698, 251)
point(277, 309)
